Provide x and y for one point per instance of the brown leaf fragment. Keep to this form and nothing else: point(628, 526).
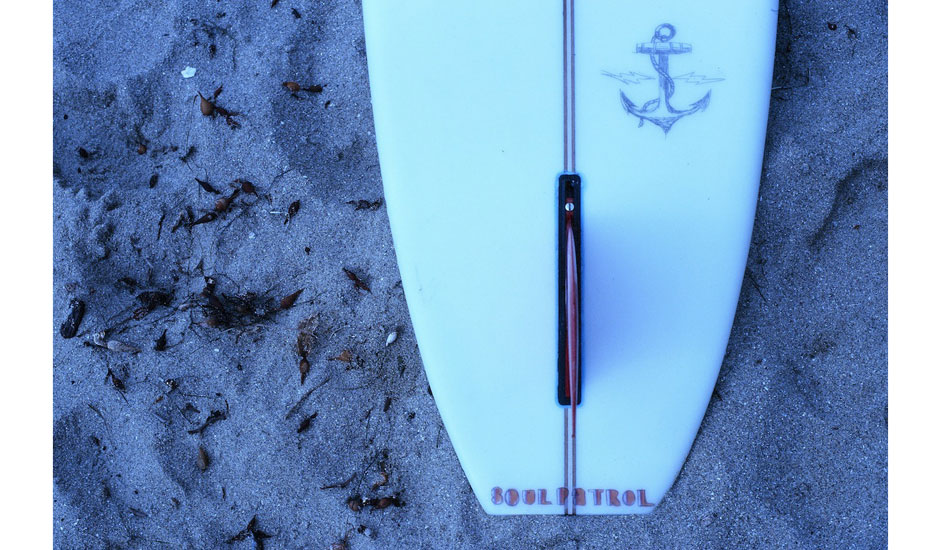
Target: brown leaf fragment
point(214, 416)
point(357, 282)
point(203, 460)
point(314, 89)
point(340, 545)
point(363, 204)
point(305, 423)
point(355, 503)
point(231, 122)
point(246, 186)
point(304, 367)
point(304, 343)
point(383, 503)
point(292, 86)
point(153, 181)
point(117, 382)
point(345, 356)
point(69, 328)
point(217, 92)
point(180, 222)
point(142, 149)
point(380, 503)
point(209, 217)
point(151, 299)
point(222, 204)
point(207, 186)
point(295, 13)
point(207, 108)
point(292, 211)
point(216, 303)
point(288, 301)
point(385, 478)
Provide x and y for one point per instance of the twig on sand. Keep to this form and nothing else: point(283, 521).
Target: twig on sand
point(301, 401)
point(340, 484)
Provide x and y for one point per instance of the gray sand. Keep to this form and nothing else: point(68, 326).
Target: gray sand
point(793, 450)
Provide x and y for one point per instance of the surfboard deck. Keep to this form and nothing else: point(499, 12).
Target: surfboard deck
point(660, 110)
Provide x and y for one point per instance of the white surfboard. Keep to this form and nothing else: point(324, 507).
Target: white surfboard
point(515, 136)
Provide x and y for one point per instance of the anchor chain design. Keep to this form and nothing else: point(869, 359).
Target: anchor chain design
point(659, 110)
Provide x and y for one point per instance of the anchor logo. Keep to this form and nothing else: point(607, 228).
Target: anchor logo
point(659, 110)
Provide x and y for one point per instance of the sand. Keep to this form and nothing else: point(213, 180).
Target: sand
point(792, 452)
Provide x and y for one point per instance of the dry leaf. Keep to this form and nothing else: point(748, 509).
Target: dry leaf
point(207, 108)
point(69, 328)
point(247, 187)
point(292, 211)
point(357, 282)
point(209, 217)
point(222, 204)
point(207, 186)
point(162, 343)
point(345, 356)
point(288, 301)
point(304, 369)
point(203, 460)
